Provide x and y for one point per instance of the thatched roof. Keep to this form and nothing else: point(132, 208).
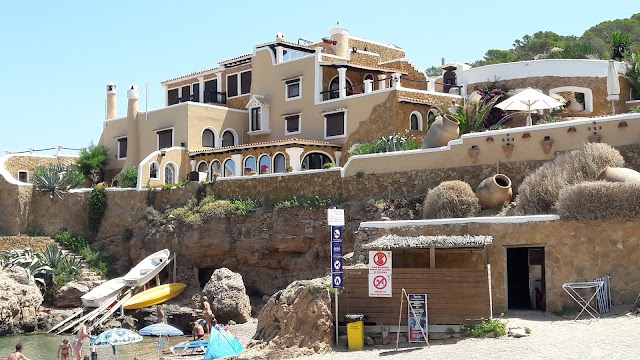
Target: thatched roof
point(419, 242)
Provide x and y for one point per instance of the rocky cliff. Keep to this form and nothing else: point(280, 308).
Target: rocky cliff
point(20, 301)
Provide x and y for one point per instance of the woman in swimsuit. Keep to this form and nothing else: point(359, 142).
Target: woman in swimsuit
point(207, 313)
point(64, 350)
point(83, 333)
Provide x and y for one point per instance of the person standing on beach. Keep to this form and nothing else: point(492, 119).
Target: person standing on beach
point(160, 314)
point(17, 355)
point(64, 350)
point(83, 333)
point(208, 314)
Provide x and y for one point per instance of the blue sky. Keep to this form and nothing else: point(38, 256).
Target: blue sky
point(57, 56)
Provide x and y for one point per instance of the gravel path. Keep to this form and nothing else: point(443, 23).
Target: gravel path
point(614, 336)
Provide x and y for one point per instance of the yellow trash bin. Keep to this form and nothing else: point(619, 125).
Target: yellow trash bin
point(355, 335)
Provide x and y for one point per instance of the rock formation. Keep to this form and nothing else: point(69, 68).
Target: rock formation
point(228, 296)
point(20, 302)
point(295, 322)
point(69, 294)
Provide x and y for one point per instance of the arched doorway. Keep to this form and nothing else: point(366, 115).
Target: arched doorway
point(170, 174)
point(315, 160)
point(279, 165)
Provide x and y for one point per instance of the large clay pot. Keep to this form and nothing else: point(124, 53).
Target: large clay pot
point(443, 130)
point(574, 107)
point(493, 191)
point(618, 175)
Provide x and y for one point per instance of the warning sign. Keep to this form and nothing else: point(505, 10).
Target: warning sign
point(379, 285)
point(380, 262)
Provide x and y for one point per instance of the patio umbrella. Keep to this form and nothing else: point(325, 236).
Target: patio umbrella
point(613, 85)
point(529, 100)
point(161, 330)
point(115, 337)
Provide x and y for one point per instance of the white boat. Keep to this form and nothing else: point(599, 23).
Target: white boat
point(147, 268)
point(103, 292)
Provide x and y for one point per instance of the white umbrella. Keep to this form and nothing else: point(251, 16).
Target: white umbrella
point(161, 330)
point(529, 100)
point(613, 85)
point(116, 336)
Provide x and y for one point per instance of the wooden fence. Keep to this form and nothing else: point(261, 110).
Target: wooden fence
point(453, 295)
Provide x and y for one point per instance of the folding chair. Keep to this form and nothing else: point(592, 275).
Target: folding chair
point(572, 290)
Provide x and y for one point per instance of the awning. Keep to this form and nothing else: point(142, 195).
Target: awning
point(389, 242)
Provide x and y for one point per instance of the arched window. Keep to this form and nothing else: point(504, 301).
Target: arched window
point(415, 121)
point(153, 170)
point(265, 164)
point(334, 88)
point(249, 164)
point(315, 160)
point(229, 167)
point(202, 167)
point(170, 174)
point(208, 138)
point(369, 77)
point(228, 139)
point(279, 164)
point(215, 169)
point(431, 117)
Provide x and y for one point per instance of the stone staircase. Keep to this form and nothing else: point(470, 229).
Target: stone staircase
point(86, 274)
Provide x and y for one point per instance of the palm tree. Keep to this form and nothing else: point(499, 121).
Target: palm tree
point(619, 45)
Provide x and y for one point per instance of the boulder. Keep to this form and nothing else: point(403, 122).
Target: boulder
point(20, 302)
point(68, 296)
point(228, 296)
point(517, 332)
point(295, 322)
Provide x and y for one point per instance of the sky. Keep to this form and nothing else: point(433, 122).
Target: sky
point(57, 56)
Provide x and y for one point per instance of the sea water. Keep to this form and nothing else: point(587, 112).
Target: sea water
point(45, 347)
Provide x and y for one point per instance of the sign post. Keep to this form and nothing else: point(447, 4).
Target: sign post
point(335, 218)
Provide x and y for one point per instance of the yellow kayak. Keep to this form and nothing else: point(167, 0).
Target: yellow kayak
point(154, 296)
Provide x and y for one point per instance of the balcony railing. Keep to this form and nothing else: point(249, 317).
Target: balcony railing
point(215, 97)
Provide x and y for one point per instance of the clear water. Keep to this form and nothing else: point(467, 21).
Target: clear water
point(45, 347)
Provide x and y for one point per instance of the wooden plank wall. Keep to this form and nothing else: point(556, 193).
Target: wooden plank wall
point(453, 295)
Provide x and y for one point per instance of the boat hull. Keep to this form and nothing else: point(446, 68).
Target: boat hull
point(154, 296)
point(101, 293)
point(147, 269)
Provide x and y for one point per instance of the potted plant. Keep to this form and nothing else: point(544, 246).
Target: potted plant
point(264, 169)
point(248, 170)
point(215, 176)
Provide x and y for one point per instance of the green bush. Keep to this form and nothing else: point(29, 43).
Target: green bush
point(396, 142)
point(328, 165)
point(495, 326)
point(93, 159)
point(450, 199)
point(195, 214)
point(312, 203)
point(128, 178)
point(82, 248)
point(97, 208)
point(539, 191)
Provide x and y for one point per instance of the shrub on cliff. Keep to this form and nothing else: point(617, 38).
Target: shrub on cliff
point(92, 160)
point(195, 214)
point(450, 199)
point(595, 200)
point(128, 178)
point(538, 193)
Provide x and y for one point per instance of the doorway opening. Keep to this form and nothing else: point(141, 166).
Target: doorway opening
point(525, 278)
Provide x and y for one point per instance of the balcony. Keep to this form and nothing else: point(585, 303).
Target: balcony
point(214, 97)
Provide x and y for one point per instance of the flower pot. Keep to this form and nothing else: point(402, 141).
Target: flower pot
point(546, 146)
point(493, 191)
point(508, 149)
point(473, 152)
point(619, 175)
point(443, 130)
point(595, 138)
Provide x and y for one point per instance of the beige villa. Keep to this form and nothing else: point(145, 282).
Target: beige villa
point(291, 106)
point(284, 107)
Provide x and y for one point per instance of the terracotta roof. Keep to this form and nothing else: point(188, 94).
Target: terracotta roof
point(293, 141)
point(241, 57)
point(189, 75)
point(422, 241)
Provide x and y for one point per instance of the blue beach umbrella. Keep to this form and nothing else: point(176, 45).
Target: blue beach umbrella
point(161, 330)
point(115, 337)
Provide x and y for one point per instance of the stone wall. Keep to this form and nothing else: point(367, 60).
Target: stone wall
point(573, 251)
point(15, 163)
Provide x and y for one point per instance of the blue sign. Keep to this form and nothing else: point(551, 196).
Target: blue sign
point(336, 264)
point(336, 249)
point(336, 280)
point(336, 233)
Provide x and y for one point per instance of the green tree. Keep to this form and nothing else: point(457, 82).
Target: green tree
point(495, 56)
point(578, 49)
point(93, 159)
point(620, 45)
point(128, 178)
point(633, 74)
point(433, 71)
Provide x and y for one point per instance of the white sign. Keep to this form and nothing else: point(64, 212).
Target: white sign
point(335, 217)
point(380, 262)
point(379, 285)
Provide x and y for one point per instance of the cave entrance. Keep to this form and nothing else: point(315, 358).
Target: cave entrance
point(525, 278)
point(204, 275)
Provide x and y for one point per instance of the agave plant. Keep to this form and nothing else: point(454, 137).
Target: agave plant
point(57, 179)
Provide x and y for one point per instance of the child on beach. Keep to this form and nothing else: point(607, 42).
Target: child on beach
point(64, 350)
point(198, 331)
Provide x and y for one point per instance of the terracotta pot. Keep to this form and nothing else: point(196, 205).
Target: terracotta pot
point(619, 175)
point(443, 130)
point(574, 107)
point(493, 191)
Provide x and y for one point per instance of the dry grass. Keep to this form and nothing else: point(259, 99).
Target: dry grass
point(539, 192)
point(595, 200)
point(450, 199)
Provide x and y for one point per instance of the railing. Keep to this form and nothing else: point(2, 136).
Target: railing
point(215, 97)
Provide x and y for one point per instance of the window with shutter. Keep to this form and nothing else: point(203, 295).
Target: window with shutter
point(165, 139)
